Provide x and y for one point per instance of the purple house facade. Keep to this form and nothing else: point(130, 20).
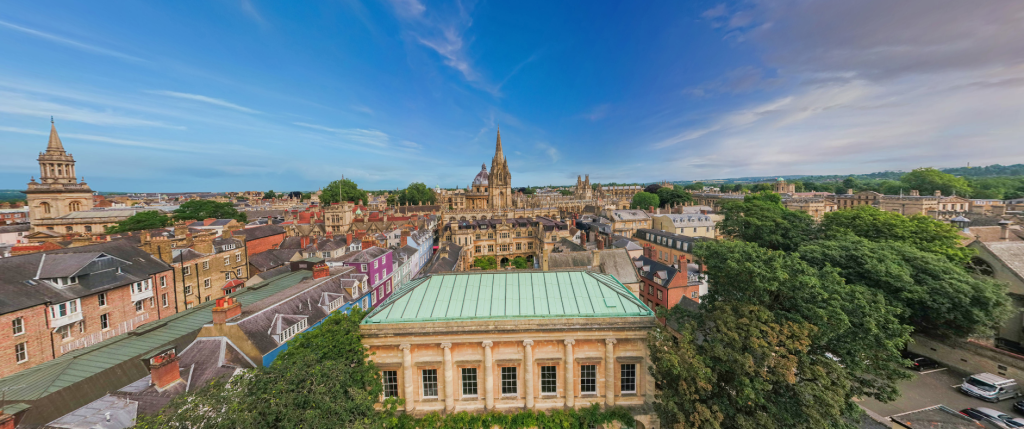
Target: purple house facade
point(377, 265)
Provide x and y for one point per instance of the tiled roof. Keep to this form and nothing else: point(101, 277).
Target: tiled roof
point(514, 295)
point(259, 232)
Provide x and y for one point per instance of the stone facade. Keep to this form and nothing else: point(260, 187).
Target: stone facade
point(58, 191)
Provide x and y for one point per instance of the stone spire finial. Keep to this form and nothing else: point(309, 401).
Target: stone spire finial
point(54, 144)
point(498, 154)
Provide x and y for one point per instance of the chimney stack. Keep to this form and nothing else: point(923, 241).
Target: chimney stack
point(320, 271)
point(849, 191)
point(544, 258)
point(348, 239)
point(914, 193)
point(164, 370)
point(1004, 230)
point(597, 256)
point(225, 308)
point(938, 193)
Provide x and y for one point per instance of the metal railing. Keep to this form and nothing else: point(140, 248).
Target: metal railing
point(114, 331)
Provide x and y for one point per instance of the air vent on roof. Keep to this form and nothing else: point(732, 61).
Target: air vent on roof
point(610, 302)
point(31, 282)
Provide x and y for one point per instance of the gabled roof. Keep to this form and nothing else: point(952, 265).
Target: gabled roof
point(259, 232)
point(64, 265)
point(363, 256)
point(513, 295)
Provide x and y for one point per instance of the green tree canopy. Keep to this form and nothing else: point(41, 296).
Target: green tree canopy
point(761, 218)
point(205, 209)
point(777, 343)
point(486, 263)
point(520, 262)
point(933, 294)
point(673, 196)
point(342, 190)
point(269, 195)
point(141, 221)
point(725, 187)
point(919, 231)
point(929, 180)
point(645, 200)
point(416, 193)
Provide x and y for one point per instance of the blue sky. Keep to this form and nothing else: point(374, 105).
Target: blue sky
point(253, 95)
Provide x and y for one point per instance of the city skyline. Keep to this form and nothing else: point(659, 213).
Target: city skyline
point(250, 95)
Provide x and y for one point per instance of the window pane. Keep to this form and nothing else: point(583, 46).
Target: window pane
point(430, 383)
point(628, 377)
point(508, 380)
point(588, 378)
point(549, 379)
point(390, 379)
point(469, 382)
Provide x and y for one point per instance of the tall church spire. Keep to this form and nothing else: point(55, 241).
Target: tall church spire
point(497, 150)
point(55, 144)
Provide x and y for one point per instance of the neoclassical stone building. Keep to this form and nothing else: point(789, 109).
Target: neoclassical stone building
point(58, 192)
point(509, 341)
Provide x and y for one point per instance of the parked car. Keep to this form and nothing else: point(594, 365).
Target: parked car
point(990, 387)
point(1018, 407)
point(918, 362)
point(1015, 422)
point(999, 417)
point(972, 413)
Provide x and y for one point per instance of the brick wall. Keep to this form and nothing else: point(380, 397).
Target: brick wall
point(121, 317)
point(214, 271)
point(35, 336)
point(264, 244)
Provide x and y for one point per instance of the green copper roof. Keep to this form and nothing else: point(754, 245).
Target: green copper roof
point(513, 295)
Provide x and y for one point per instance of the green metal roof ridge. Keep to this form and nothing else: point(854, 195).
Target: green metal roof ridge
point(509, 296)
point(55, 374)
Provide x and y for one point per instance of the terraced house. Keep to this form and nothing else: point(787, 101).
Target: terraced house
point(513, 340)
point(55, 302)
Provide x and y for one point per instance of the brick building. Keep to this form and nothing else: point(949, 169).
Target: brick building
point(260, 238)
point(451, 342)
point(667, 247)
point(664, 286)
point(62, 300)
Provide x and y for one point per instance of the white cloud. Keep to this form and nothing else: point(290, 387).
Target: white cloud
point(550, 151)
point(72, 43)
point(356, 135)
point(250, 10)
point(408, 8)
point(20, 104)
point(204, 99)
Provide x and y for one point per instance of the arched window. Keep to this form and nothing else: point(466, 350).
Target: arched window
point(45, 207)
point(75, 206)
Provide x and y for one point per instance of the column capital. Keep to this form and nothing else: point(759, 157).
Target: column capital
point(528, 343)
point(570, 342)
point(488, 344)
point(610, 341)
point(405, 346)
point(446, 345)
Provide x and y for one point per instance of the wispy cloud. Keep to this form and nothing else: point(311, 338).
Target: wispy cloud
point(177, 147)
point(408, 8)
point(251, 12)
point(597, 112)
point(204, 99)
point(355, 135)
point(72, 43)
point(20, 104)
point(550, 151)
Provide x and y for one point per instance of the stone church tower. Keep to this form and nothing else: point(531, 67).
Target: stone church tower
point(500, 180)
point(58, 192)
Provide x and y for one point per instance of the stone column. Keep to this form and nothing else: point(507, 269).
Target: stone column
point(449, 385)
point(488, 376)
point(609, 371)
point(407, 377)
point(570, 385)
point(528, 345)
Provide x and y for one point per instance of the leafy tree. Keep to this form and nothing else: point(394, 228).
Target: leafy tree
point(520, 262)
point(928, 180)
point(141, 221)
point(672, 196)
point(416, 193)
point(323, 379)
point(850, 183)
point(205, 209)
point(644, 200)
point(933, 294)
point(269, 195)
point(486, 263)
point(342, 190)
point(782, 344)
point(760, 187)
point(306, 196)
point(652, 188)
point(565, 192)
point(761, 218)
point(696, 186)
point(725, 187)
point(392, 199)
point(919, 231)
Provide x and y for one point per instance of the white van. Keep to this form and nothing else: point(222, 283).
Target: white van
point(990, 387)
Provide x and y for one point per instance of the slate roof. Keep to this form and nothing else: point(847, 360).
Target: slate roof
point(22, 227)
point(629, 215)
point(259, 232)
point(218, 222)
point(649, 269)
point(512, 295)
point(437, 264)
point(1011, 254)
point(270, 259)
point(93, 371)
point(20, 289)
point(363, 256)
point(614, 262)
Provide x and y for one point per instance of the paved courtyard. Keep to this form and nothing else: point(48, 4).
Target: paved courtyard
point(932, 388)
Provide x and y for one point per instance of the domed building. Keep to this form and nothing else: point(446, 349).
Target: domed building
point(491, 190)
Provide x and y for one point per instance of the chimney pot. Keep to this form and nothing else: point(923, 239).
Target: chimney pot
point(164, 371)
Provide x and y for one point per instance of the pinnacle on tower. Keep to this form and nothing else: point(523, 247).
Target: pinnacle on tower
point(54, 144)
point(497, 150)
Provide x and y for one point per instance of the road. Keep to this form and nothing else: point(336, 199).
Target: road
point(934, 388)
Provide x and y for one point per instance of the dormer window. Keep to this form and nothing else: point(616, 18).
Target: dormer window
point(293, 330)
point(65, 281)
